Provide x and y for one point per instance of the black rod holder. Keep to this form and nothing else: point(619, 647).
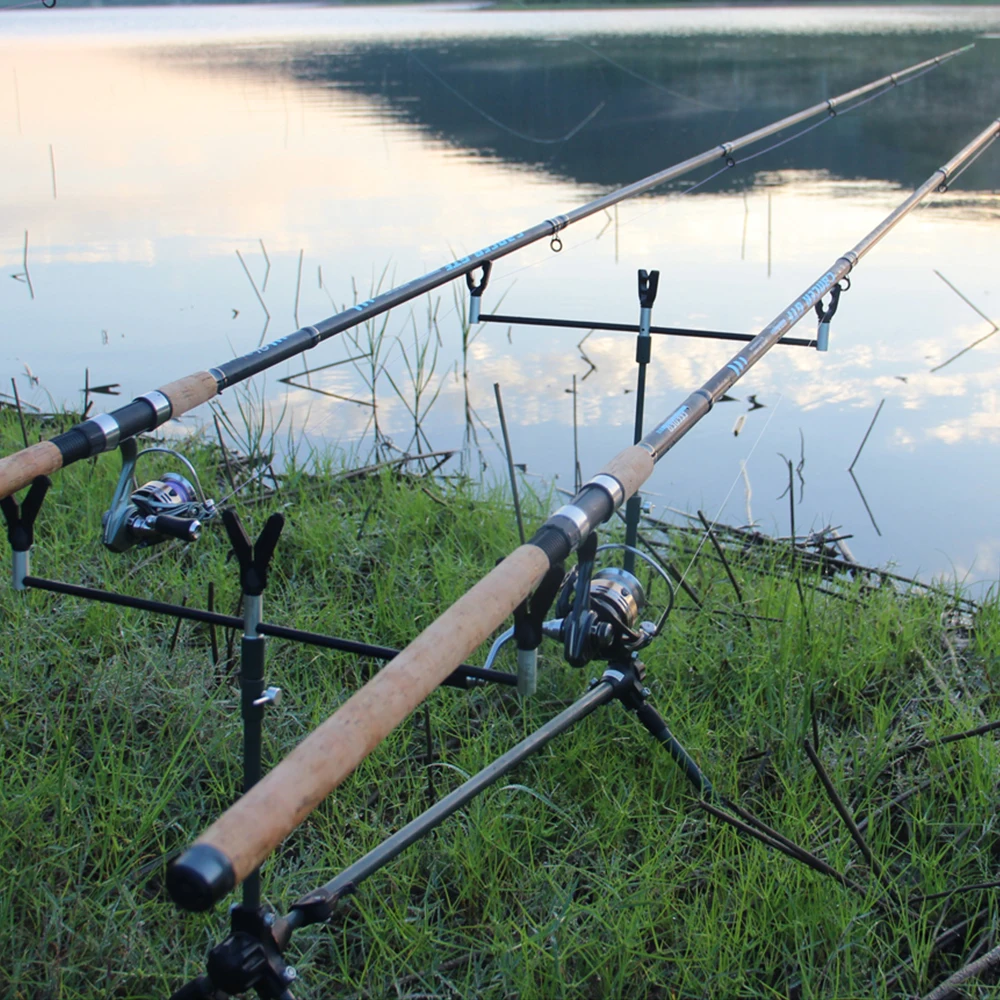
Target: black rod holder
point(21, 527)
point(254, 562)
point(648, 285)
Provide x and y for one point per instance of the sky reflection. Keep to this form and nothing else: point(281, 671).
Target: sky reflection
point(167, 164)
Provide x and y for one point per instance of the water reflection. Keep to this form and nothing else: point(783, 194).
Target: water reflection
point(633, 103)
point(316, 145)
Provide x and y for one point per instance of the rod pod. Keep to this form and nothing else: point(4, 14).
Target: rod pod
point(247, 832)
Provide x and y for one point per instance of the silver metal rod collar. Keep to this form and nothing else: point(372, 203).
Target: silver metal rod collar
point(611, 486)
point(253, 609)
point(21, 568)
point(162, 407)
point(109, 428)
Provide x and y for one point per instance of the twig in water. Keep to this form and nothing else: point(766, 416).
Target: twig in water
point(975, 343)
point(864, 440)
point(864, 500)
point(20, 412)
point(260, 298)
point(298, 287)
point(965, 300)
point(267, 261)
point(510, 461)
point(25, 274)
point(52, 163)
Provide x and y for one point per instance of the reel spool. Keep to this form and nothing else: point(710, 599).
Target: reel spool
point(160, 509)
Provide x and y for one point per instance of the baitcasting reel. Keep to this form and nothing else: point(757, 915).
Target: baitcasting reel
point(157, 510)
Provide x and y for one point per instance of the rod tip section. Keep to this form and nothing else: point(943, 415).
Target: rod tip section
point(200, 877)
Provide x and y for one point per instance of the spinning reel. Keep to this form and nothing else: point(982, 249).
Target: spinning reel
point(600, 611)
point(599, 615)
point(160, 509)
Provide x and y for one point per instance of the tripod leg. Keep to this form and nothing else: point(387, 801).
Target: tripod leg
point(654, 723)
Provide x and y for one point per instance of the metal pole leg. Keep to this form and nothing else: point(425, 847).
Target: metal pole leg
point(648, 284)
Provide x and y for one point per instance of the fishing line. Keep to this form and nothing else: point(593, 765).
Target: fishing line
point(31, 3)
point(652, 83)
point(731, 163)
point(951, 180)
point(506, 128)
point(725, 500)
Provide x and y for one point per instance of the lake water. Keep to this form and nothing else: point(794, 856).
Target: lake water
point(143, 148)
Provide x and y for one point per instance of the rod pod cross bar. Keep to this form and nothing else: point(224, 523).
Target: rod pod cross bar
point(149, 411)
point(239, 840)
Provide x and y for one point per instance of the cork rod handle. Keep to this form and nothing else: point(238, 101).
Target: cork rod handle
point(236, 843)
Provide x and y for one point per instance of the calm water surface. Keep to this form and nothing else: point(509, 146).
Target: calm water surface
point(142, 148)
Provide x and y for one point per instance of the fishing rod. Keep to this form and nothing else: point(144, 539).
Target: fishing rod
point(239, 840)
point(104, 431)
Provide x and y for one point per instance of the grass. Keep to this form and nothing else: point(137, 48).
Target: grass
point(587, 872)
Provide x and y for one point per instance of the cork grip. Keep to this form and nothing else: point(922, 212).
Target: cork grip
point(191, 391)
point(257, 822)
point(19, 469)
point(631, 467)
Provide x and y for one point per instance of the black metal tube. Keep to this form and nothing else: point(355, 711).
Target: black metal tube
point(671, 331)
point(658, 729)
point(381, 855)
point(139, 603)
point(251, 689)
point(278, 631)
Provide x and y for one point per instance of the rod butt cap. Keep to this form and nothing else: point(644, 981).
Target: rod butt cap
point(200, 877)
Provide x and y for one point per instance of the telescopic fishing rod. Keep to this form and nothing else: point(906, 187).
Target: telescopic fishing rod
point(236, 843)
point(152, 409)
